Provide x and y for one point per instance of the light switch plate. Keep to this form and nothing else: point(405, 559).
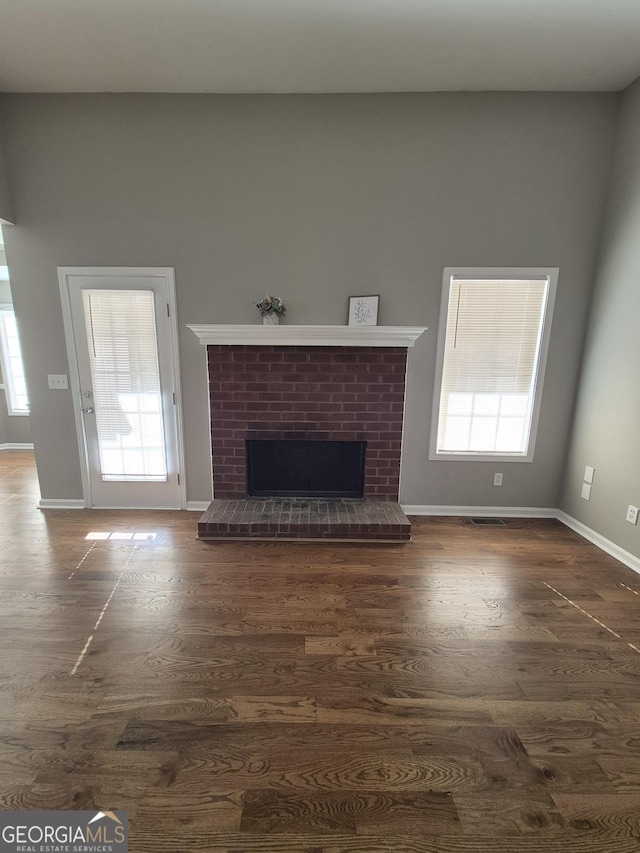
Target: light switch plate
point(588, 474)
point(58, 381)
point(586, 492)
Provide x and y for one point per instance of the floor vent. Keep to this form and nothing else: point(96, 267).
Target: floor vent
point(485, 522)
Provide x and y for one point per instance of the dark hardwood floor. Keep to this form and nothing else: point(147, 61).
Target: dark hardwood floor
point(440, 696)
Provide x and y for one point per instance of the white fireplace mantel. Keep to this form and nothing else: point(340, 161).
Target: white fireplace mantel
point(310, 336)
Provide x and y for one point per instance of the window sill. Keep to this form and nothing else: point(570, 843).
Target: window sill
point(480, 457)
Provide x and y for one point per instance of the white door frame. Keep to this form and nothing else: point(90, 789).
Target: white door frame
point(64, 273)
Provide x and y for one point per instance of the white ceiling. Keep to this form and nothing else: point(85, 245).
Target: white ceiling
point(317, 45)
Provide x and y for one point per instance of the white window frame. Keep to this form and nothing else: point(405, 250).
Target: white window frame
point(7, 374)
point(551, 274)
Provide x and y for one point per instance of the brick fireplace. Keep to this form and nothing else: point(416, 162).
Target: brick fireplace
point(307, 383)
point(310, 393)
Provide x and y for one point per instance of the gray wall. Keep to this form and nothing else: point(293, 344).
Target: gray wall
point(607, 420)
point(14, 429)
point(6, 209)
point(312, 198)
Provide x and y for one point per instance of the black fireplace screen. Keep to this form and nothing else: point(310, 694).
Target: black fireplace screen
point(305, 468)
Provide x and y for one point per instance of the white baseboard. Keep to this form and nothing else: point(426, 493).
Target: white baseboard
point(482, 511)
point(70, 503)
point(11, 446)
point(198, 506)
point(61, 503)
point(602, 542)
point(606, 545)
point(136, 508)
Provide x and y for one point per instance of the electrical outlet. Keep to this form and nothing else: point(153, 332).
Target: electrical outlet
point(497, 479)
point(632, 514)
point(586, 492)
point(589, 474)
point(58, 381)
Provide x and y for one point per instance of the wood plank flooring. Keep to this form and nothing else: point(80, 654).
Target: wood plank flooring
point(432, 697)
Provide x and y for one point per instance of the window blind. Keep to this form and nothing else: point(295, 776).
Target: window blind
point(123, 358)
point(491, 356)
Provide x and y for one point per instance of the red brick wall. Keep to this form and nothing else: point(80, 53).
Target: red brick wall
point(323, 393)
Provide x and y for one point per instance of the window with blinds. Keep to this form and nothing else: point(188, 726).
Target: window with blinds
point(12, 366)
point(491, 353)
point(125, 376)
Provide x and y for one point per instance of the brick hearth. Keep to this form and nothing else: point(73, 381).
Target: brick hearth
point(304, 519)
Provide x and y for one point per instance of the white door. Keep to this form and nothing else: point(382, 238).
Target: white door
point(122, 344)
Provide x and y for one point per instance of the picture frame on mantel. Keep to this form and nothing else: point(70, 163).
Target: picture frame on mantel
point(363, 310)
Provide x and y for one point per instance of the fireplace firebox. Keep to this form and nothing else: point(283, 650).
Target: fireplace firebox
point(298, 468)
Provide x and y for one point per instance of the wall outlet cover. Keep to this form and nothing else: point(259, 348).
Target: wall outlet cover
point(632, 514)
point(497, 479)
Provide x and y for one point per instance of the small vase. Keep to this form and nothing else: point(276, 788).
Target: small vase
point(270, 319)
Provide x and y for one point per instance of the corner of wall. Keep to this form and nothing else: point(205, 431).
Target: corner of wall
point(607, 403)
